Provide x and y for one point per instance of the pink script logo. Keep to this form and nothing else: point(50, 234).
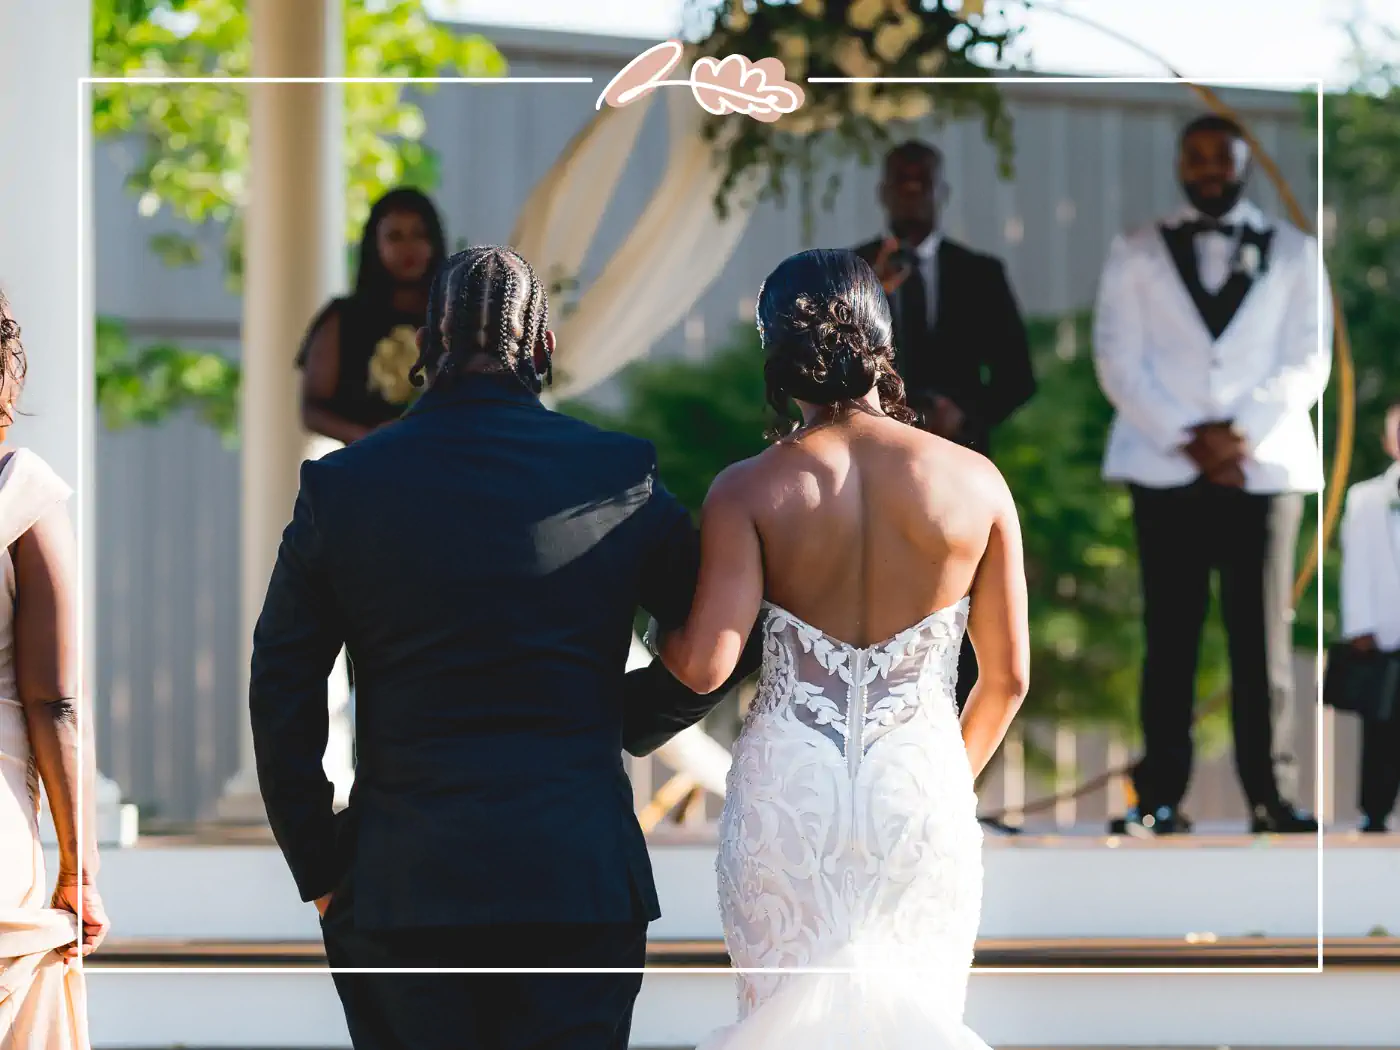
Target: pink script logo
point(733, 85)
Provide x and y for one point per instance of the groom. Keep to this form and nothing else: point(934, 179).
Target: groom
point(1207, 342)
point(482, 559)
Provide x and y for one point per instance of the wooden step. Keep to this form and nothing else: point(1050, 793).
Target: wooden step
point(1109, 953)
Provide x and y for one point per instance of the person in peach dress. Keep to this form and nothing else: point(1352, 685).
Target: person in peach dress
point(42, 939)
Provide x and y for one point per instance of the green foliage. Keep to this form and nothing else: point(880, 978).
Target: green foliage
point(1361, 184)
point(848, 38)
point(1081, 559)
point(1081, 554)
point(195, 136)
point(146, 386)
point(194, 150)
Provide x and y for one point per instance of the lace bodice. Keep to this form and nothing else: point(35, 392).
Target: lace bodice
point(850, 820)
point(854, 696)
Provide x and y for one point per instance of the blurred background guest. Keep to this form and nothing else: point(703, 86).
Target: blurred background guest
point(1208, 344)
point(355, 364)
point(1371, 615)
point(41, 995)
point(960, 343)
point(358, 352)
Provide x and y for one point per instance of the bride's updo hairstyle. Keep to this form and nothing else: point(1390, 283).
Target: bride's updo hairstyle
point(825, 326)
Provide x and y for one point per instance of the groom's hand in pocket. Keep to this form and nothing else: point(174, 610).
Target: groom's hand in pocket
point(323, 904)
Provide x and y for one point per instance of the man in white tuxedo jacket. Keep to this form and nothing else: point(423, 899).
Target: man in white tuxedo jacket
point(1371, 614)
point(1207, 340)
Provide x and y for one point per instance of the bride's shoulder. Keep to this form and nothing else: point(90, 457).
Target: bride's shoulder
point(738, 479)
point(24, 469)
point(29, 490)
point(958, 470)
point(742, 485)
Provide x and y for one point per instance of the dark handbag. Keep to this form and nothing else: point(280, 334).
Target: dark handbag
point(1365, 683)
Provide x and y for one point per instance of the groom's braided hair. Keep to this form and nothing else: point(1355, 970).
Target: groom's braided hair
point(13, 363)
point(485, 301)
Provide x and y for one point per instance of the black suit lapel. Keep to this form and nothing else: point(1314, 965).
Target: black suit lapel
point(1237, 287)
point(1219, 309)
point(1183, 252)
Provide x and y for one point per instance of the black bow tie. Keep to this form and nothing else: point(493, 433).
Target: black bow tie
point(1208, 225)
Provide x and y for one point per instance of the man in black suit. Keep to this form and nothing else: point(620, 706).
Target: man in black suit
point(482, 560)
point(960, 344)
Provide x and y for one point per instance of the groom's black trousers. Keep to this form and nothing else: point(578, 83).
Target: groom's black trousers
point(485, 1011)
point(1248, 540)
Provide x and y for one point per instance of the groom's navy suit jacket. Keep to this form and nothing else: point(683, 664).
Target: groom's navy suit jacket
point(482, 560)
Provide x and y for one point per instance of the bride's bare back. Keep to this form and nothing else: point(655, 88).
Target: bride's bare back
point(868, 525)
point(858, 524)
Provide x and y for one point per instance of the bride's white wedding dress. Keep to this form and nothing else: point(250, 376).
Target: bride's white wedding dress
point(850, 841)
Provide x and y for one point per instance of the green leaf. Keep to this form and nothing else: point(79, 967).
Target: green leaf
point(192, 140)
point(147, 385)
point(190, 147)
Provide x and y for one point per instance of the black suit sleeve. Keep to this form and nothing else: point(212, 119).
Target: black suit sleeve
point(655, 705)
point(1008, 352)
point(295, 645)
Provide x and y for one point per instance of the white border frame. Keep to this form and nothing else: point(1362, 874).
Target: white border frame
point(85, 349)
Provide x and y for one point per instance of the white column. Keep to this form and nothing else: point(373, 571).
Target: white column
point(340, 748)
point(283, 285)
point(44, 196)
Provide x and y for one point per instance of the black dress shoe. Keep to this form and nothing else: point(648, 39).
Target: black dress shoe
point(1372, 826)
point(1164, 820)
point(1282, 818)
point(998, 826)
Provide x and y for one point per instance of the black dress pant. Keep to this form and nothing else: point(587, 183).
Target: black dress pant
point(1380, 767)
point(1185, 535)
point(496, 1011)
point(967, 672)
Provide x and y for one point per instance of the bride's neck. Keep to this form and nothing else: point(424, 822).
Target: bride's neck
point(816, 414)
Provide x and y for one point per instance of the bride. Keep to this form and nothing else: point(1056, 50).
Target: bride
point(849, 844)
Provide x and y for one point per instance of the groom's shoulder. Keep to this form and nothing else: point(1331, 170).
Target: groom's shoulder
point(346, 465)
point(582, 435)
point(1145, 235)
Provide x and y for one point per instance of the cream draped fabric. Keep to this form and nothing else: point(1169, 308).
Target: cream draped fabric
point(675, 250)
point(42, 1003)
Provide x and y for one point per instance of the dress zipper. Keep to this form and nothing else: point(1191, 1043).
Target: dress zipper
point(855, 715)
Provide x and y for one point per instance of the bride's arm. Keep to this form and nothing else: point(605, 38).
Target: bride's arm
point(47, 672)
point(704, 652)
point(1000, 633)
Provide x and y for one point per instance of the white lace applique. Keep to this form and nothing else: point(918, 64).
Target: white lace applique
point(850, 818)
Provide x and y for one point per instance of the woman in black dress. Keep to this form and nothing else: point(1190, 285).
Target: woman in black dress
point(359, 350)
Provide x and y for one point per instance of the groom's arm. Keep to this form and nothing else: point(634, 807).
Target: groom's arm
point(656, 707)
point(295, 645)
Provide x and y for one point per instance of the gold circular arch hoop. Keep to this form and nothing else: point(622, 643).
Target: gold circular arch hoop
point(1345, 378)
